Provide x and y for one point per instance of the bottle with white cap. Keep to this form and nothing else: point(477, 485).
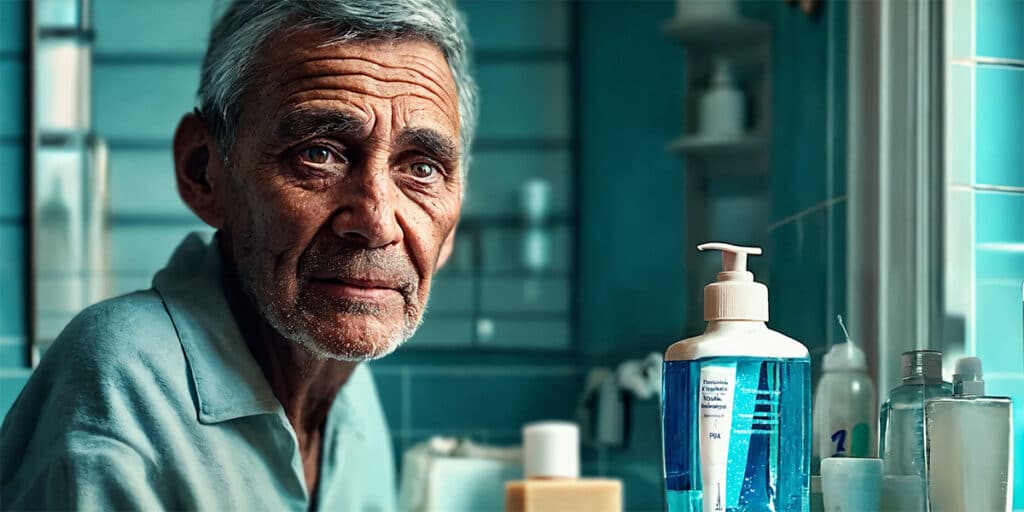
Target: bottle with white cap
point(551, 465)
point(969, 442)
point(736, 404)
point(844, 405)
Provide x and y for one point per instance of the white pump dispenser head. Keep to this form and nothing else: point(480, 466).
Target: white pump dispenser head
point(734, 295)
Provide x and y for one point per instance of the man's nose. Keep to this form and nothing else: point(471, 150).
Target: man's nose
point(367, 215)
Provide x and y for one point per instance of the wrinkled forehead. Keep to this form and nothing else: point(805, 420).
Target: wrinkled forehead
point(308, 65)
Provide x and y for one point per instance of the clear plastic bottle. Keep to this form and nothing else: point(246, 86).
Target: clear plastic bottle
point(901, 421)
point(736, 405)
point(844, 406)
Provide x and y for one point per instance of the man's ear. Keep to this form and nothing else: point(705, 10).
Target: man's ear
point(194, 169)
point(446, 248)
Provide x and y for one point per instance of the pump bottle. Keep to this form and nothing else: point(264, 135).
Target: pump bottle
point(736, 409)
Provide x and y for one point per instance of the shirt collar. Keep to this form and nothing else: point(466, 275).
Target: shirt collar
point(229, 383)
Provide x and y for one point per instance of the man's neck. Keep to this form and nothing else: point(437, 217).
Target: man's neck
point(306, 385)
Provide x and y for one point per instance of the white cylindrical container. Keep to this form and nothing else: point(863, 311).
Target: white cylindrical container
point(851, 485)
point(551, 449)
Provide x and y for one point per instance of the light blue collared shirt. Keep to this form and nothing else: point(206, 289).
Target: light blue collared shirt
point(153, 401)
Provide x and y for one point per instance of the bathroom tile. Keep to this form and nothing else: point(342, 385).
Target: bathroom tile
point(12, 25)
point(801, 139)
point(509, 26)
point(838, 285)
point(12, 275)
point(444, 331)
point(144, 249)
point(959, 28)
point(12, 104)
point(999, 263)
point(1000, 124)
point(12, 181)
point(738, 211)
point(451, 294)
point(12, 355)
point(389, 389)
point(10, 387)
point(525, 295)
point(960, 126)
point(998, 218)
point(496, 179)
point(142, 102)
point(526, 334)
point(998, 29)
point(503, 250)
point(142, 182)
point(997, 324)
point(524, 101)
point(127, 27)
point(504, 399)
point(797, 281)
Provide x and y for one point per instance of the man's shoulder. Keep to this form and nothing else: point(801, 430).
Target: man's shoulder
point(116, 334)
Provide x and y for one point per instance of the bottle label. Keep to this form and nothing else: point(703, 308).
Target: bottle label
point(717, 386)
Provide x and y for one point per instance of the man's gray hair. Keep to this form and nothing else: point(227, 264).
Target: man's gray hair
point(229, 68)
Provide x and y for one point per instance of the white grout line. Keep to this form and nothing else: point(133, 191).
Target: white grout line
point(988, 61)
point(824, 204)
point(12, 340)
point(6, 373)
point(979, 187)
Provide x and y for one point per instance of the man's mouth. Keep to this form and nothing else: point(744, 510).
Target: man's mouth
point(351, 288)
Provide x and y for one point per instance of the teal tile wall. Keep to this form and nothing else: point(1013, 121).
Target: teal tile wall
point(806, 246)
point(12, 214)
point(999, 119)
point(999, 31)
point(632, 281)
point(632, 276)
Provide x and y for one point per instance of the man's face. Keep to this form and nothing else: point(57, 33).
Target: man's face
point(342, 188)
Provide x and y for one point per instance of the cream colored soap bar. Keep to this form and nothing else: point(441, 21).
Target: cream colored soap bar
point(564, 495)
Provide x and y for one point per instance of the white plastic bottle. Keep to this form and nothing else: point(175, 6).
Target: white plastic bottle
point(736, 404)
point(722, 108)
point(844, 406)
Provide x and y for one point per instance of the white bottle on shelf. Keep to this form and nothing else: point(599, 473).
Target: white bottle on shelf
point(722, 108)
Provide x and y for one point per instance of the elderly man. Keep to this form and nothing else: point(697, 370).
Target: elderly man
point(329, 153)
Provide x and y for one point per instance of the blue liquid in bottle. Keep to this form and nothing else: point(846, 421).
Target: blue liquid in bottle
point(769, 435)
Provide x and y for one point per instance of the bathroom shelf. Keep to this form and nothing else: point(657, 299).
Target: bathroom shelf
point(707, 147)
point(718, 33)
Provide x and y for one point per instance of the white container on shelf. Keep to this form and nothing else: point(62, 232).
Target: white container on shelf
point(702, 9)
point(722, 108)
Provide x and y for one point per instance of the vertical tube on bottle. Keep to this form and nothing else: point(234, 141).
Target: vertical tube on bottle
point(717, 386)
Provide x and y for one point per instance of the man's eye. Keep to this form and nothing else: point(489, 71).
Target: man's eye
point(423, 170)
point(318, 155)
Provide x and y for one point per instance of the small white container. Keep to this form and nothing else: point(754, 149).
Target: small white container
point(723, 111)
point(851, 485)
